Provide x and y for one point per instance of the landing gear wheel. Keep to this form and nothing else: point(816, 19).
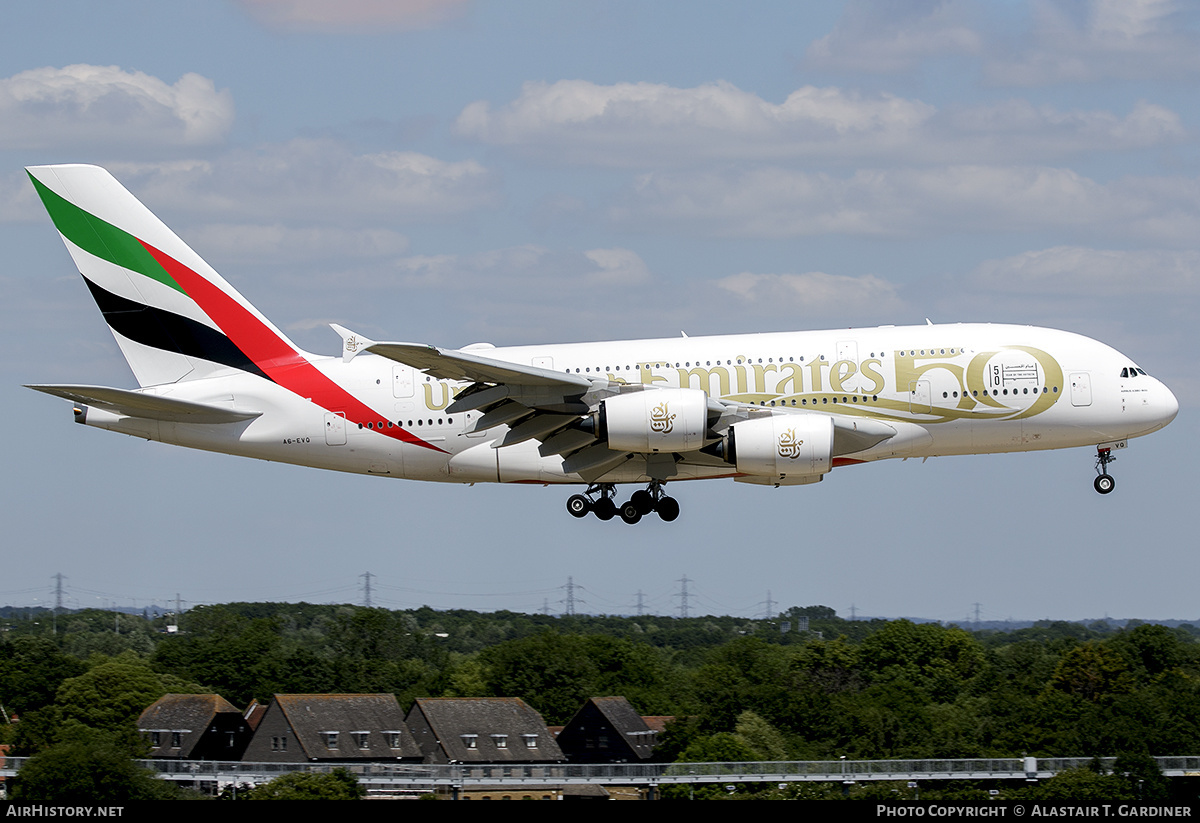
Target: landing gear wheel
point(604, 508)
point(630, 513)
point(643, 500)
point(668, 508)
point(578, 505)
point(1104, 482)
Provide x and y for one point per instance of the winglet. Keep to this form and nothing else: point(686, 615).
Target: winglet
point(352, 344)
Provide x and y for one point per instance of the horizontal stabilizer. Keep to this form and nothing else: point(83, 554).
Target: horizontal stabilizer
point(149, 406)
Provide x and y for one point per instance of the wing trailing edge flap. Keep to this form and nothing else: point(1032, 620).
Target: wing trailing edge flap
point(535, 428)
point(537, 403)
point(148, 406)
point(593, 462)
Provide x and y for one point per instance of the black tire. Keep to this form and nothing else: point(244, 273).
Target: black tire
point(630, 513)
point(578, 505)
point(604, 508)
point(643, 500)
point(1104, 483)
point(668, 508)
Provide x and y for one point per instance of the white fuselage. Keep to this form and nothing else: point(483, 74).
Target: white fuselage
point(945, 389)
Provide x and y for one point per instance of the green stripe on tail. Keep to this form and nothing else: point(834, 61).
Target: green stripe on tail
point(101, 239)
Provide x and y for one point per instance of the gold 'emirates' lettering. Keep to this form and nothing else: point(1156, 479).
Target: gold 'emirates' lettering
point(443, 390)
point(744, 377)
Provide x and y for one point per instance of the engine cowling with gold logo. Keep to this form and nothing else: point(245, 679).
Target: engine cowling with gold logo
point(661, 420)
point(782, 446)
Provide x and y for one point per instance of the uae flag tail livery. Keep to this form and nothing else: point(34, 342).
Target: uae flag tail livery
point(173, 316)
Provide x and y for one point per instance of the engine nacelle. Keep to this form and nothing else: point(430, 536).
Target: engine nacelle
point(655, 420)
point(782, 446)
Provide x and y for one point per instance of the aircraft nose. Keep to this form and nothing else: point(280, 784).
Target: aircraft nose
point(1168, 405)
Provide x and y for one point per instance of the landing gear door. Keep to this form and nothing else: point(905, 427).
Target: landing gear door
point(1081, 388)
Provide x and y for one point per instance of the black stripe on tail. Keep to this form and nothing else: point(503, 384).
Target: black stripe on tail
point(168, 331)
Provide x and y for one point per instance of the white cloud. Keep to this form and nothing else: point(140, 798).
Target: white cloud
point(633, 124)
point(322, 181)
point(354, 15)
point(880, 36)
point(815, 292)
point(1093, 272)
point(277, 243)
point(1112, 39)
point(780, 202)
point(643, 124)
point(1063, 41)
point(1018, 130)
point(105, 106)
point(532, 273)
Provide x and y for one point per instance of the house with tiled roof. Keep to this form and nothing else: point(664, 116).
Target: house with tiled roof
point(607, 730)
point(194, 727)
point(481, 730)
point(332, 728)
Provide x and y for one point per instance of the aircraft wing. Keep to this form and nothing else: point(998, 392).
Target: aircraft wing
point(551, 406)
point(149, 406)
point(446, 364)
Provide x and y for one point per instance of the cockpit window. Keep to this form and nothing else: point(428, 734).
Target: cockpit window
point(1132, 371)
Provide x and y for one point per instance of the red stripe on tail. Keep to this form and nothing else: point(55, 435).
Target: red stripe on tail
point(271, 353)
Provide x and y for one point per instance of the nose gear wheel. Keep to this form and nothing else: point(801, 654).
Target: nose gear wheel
point(1104, 482)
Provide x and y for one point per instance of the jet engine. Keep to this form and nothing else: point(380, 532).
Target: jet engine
point(656, 420)
point(783, 446)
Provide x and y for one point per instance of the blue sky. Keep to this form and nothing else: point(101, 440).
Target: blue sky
point(518, 172)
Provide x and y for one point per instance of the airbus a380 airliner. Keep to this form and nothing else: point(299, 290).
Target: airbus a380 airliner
point(773, 409)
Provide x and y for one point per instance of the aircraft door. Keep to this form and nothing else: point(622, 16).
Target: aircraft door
point(1081, 388)
point(402, 381)
point(335, 429)
point(920, 397)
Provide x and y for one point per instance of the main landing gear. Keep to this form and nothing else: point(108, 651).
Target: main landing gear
point(641, 502)
point(1104, 482)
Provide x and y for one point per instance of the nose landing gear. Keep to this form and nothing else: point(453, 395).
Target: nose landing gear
point(640, 503)
point(1104, 482)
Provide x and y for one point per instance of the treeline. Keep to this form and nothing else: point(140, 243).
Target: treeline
point(741, 689)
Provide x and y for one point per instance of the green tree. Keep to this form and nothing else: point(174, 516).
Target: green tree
point(1092, 671)
point(940, 660)
point(760, 737)
point(31, 670)
point(336, 785)
point(113, 692)
point(1079, 785)
point(91, 768)
point(557, 673)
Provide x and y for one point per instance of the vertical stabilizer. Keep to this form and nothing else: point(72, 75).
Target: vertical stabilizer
point(173, 316)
